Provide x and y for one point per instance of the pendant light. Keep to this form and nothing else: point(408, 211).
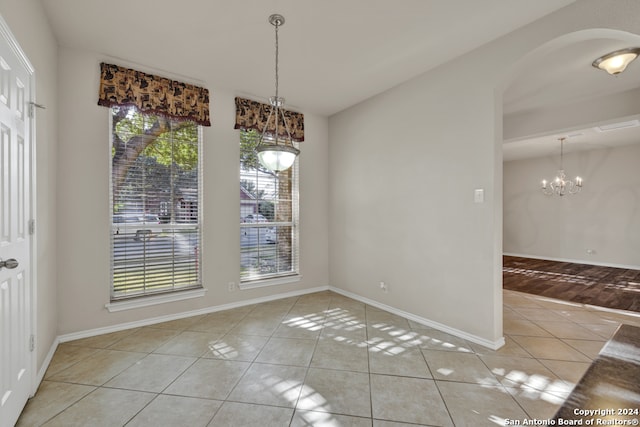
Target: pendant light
point(276, 151)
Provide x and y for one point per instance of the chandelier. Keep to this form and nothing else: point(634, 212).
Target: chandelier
point(276, 151)
point(560, 184)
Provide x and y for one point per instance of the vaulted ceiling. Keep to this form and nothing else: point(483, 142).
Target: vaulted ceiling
point(564, 81)
point(333, 53)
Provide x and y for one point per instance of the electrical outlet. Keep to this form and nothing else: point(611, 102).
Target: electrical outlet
point(232, 286)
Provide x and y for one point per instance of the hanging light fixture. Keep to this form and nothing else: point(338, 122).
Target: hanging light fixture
point(616, 62)
point(276, 151)
point(561, 185)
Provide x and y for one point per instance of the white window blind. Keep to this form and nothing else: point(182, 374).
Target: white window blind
point(268, 217)
point(155, 204)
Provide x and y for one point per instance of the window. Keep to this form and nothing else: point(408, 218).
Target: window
point(155, 204)
point(268, 217)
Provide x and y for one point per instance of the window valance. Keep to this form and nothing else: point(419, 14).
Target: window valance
point(253, 115)
point(121, 86)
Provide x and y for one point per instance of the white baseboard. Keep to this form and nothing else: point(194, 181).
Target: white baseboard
point(493, 345)
point(151, 321)
point(146, 322)
point(575, 261)
point(45, 365)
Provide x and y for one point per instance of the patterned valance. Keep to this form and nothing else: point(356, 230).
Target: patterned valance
point(121, 86)
point(253, 115)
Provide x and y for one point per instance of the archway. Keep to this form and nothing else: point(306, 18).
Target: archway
point(554, 91)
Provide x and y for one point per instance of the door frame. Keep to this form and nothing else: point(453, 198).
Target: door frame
point(9, 38)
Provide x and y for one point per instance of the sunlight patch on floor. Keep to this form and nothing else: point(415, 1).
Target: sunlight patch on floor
point(312, 400)
point(548, 275)
point(541, 386)
point(223, 350)
point(282, 387)
point(307, 322)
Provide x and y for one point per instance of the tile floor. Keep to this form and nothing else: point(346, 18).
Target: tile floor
point(322, 360)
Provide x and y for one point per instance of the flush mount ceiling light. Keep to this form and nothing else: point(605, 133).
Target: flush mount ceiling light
point(276, 151)
point(560, 184)
point(616, 62)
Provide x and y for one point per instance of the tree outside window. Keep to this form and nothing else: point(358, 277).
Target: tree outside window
point(155, 189)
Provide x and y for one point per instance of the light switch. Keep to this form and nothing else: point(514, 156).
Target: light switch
point(478, 195)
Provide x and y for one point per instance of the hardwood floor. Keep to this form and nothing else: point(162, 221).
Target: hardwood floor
point(609, 287)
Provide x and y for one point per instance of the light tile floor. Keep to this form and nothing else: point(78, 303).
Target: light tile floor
point(322, 360)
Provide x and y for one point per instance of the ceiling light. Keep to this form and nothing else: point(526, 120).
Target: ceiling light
point(616, 62)
point(619, 125)
point(276, 151)
point(560, 184)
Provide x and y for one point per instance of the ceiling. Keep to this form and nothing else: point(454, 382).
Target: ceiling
point(565, 78)
point(625, 132)
point(333, 53)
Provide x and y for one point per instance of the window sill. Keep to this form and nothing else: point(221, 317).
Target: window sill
point(270, 282)
point(154, 300)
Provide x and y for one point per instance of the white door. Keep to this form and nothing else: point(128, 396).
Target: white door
point(15, 207)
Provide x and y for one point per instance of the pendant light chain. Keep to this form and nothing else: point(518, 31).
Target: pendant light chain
point(277, 100)
point(275, 156)
point(277, 25)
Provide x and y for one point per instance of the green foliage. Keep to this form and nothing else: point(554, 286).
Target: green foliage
point(178, 145)
point(249, 140)
point(267, 209)
point(154, 161)
point(132, 124)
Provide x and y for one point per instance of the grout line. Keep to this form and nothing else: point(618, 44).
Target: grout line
point(327, 319)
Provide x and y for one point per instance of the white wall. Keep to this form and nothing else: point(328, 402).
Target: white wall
point(604, 217)
point(397, 217)
point(83, 200)
point(28, 24)
point(394, 214)
point(403, 168)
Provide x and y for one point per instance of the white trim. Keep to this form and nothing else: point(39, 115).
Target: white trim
point(9, 38)
point(145, 301)
point(576, 261)
point(151, 321)
point(611, 310)
point(5, 31)
point(578, 304)
point(45, 364)
point(140, 323)
point(278, 278)
point(493, 345)
point(261, 283)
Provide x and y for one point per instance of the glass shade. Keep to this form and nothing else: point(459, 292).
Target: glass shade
point(616, 62)
point(276, 157)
